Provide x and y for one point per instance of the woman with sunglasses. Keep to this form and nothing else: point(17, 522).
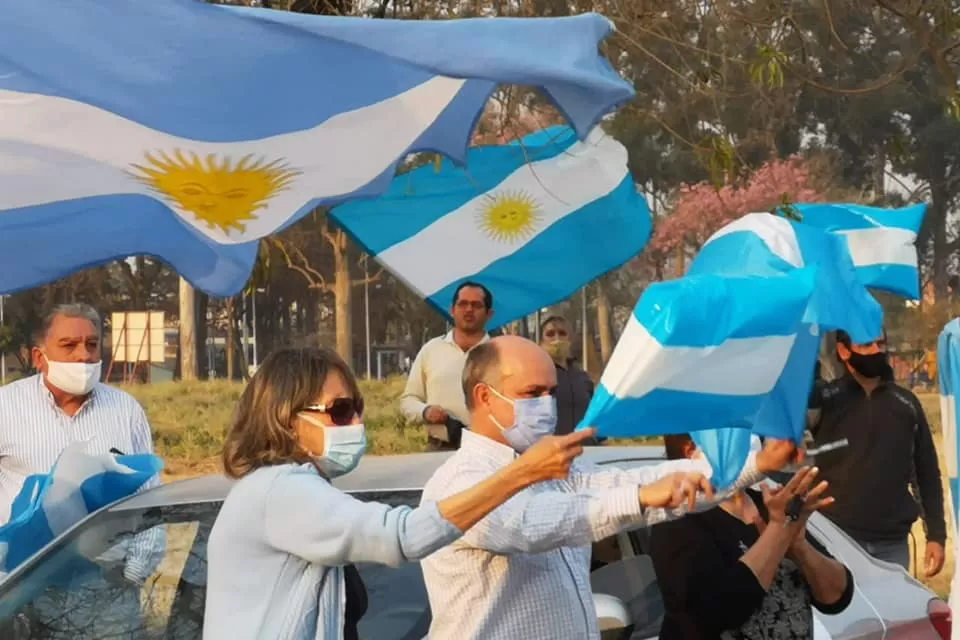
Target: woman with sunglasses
point(281, 551)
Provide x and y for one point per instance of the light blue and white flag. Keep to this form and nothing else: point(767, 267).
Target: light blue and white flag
point(760, 244)
point(78, 484)
point(882, 242)
point(533, 221)
point(159, 128)
point(948, 373)
point(728, 351)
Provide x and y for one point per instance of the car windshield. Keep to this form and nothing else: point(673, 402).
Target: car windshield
point(82, 587)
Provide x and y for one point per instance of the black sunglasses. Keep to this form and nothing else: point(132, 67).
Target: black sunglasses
point(341, 411)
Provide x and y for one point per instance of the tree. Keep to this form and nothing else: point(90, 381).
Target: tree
point(338, 282)
point(701, 209)
point(188, 332)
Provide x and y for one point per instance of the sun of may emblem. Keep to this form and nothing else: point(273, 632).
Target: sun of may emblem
point(216, 191)
point(509, 216)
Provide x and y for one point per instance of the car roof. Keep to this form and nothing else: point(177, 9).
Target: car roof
point(375, 473)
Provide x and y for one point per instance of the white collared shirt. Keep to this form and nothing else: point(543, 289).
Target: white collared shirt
point(436, 378)
point(524, 570)
point(34, 431)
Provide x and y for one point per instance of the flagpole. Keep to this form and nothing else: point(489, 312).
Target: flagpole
point(3, 354)
point(366, 310)
point(583, 320)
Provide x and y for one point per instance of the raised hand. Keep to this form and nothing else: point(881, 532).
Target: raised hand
point(778, 500)
point(673, 490)
point(551, 456)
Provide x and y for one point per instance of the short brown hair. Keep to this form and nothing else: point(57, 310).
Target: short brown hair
point(481, 365)
point(287, 381)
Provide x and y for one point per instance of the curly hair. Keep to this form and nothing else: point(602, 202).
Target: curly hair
point(288, 380)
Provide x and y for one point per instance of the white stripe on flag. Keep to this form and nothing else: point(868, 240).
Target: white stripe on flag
point(886, 245)
point(738, 367)
point(92, 152)
point(948, 426)
point(560, 186)
point(776, 232)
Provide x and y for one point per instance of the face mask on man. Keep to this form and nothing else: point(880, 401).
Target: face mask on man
point(76, 378)
point(873, 365)
point(559, 350)
point(342, 447)
point(534, 418)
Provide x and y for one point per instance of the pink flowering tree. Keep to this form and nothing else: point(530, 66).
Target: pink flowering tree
point(702, 209)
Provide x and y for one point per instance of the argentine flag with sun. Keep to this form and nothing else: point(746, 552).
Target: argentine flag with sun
point(533, 221)
point(189, 131)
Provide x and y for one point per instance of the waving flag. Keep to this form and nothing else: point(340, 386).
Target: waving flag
point(78, 485)
point(948, 372)
point(761, 244)
point(115, 142)
point(728, 350)
point(882, 242)
point(700, 352)
point(534, 221)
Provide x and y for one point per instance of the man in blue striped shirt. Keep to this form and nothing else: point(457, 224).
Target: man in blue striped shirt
point(66, 403)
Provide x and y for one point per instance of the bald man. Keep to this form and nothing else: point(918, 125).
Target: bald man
point(524, 571)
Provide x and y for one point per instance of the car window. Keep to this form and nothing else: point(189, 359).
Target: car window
point(122, 574)
point(81, 588)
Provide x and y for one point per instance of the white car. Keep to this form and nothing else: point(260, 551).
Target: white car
point(59, 594)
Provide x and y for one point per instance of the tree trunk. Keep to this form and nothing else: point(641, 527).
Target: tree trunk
point(603, 324)
point(231, 344)
point(343, 298)
point(941, 253)
point(188, 328)
point(202, 329)
point(681, 261)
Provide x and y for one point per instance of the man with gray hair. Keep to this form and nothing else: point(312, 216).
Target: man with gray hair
point(65, 403)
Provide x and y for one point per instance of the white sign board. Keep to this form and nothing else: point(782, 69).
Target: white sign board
point(138, 336)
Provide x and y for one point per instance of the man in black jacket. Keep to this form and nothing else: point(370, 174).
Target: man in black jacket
point(890, 450)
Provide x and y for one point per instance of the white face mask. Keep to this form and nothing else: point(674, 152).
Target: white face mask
point(76, 378)
point(534, 418)
point(342, 447)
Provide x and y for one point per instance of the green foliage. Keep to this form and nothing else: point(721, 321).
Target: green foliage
point(767, 69)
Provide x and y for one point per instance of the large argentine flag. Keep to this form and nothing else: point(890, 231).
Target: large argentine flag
point(948, 372)
point(78, 485)
point(882, 242)
point(533, 221)
point(159, 128)
point(729, 350)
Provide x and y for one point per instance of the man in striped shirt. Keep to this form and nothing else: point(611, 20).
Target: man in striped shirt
point(66, 403)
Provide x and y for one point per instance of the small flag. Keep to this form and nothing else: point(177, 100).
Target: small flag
point(728, 351)
point(533, 221)
point(115, 142)
point(882, 242)
point(78, 485)
point(948, 372)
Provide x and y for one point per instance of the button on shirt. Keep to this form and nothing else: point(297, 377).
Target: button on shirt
point(34, 431)
point(436, 379)
point(524, 570)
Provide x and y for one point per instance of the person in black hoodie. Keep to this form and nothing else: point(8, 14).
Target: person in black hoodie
point(890, 451)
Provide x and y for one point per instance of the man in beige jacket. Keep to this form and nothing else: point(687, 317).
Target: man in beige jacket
point(434, 393)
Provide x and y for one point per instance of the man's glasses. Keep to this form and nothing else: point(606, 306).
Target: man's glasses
point(341, 411)
point(555, 333)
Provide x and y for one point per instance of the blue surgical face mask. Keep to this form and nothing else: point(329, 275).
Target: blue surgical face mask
point(533, 418)
point(342, 447)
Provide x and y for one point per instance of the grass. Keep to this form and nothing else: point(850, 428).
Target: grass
point(190, 420)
